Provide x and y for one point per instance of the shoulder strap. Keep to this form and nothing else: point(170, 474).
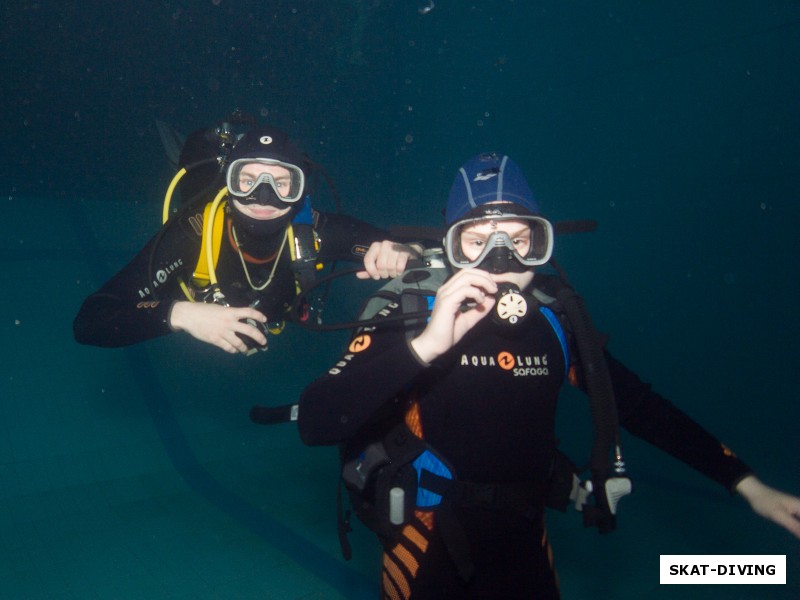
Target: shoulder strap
point(559, 331)
point(304, 250)
point(609, 481)
point(201, 277)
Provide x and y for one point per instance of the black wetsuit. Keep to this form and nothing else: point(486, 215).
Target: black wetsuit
point(488, 406)
point(134, 304)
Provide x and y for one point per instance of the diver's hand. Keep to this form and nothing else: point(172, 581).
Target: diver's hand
point(386, 259)
point(449, 321)
point(772, 504)
point(217, 325)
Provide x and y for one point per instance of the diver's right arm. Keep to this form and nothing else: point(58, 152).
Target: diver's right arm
point(379, 363)
point(125, 310)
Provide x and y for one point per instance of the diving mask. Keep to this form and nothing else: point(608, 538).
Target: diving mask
point(500, 243)
point(264, 181)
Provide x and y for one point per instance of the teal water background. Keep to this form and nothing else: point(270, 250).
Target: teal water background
point(136, 474)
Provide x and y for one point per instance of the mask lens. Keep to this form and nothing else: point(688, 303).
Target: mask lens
point(541, 241)
point(246, 175)
point(527, 239)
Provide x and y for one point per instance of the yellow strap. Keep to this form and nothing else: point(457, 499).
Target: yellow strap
point(293, 245)
point(201, 276)
point(165, 211)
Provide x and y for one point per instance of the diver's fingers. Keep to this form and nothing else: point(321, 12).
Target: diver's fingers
point(228, 347)
point(252, 332)
point(467, 285)
point(385, 259)
point(775, 505)
point(370, 259)
point(244, 312)
point(400, 263)
point(449, 320)
point(218, 325)
point(786, 513)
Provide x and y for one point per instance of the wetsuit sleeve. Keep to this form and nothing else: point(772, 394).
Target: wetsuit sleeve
point(656, 420)
point(134, 304)
point(345, 238)
point(367, 379)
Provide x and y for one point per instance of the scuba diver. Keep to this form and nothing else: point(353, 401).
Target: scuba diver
point(260, 234)
point(446, 424)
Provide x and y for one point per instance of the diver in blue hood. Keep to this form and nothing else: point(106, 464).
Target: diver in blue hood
point(447, 429)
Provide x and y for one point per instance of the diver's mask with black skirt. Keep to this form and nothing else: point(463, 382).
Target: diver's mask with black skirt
point(525, 243)
point(265, 181)
point(502, 242)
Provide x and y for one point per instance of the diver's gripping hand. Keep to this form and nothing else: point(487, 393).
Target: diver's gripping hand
point(218, 325)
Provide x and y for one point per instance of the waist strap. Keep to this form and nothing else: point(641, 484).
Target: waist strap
point(522, 497)
point(514, 497)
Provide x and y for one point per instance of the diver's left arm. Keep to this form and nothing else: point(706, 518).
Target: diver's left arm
point(650, 416)
point(656, 420)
